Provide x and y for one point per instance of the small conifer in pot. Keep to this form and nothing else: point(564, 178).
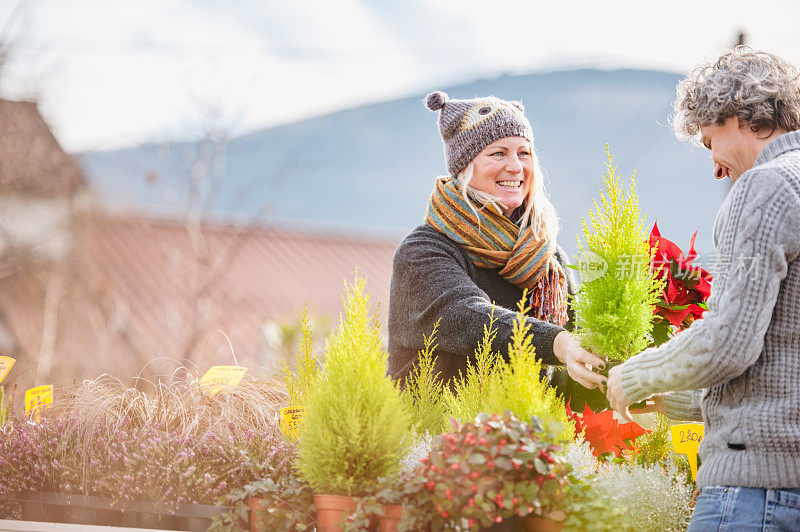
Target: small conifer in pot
point(614, 306)
point(356, 426)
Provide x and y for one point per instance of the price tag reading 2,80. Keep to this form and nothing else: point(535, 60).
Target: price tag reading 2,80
point(292, 421)
point(686, 439)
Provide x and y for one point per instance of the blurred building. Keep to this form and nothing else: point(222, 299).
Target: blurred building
point(84, 291)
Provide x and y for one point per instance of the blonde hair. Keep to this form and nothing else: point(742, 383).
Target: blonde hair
point(539, 212)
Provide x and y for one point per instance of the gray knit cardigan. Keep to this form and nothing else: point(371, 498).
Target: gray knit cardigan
point(433, 280)
point(743, 357)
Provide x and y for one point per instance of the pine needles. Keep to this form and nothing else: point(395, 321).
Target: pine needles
point(471, 389)
point(614, 310)
point(298, 382)
point(424, 390)
point(490, 384)
point(518, 385)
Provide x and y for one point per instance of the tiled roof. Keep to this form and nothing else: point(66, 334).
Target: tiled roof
point(142, 288)
point(31, 160)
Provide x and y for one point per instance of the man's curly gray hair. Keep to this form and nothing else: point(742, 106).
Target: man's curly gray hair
point(759, 88)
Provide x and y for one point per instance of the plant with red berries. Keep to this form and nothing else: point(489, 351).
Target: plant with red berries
point(486, 472)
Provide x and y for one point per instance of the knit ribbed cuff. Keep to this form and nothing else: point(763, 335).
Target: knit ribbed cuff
point(543, 342)
point(683, 406)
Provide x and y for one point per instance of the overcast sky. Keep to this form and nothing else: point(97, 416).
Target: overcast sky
point(111, 73)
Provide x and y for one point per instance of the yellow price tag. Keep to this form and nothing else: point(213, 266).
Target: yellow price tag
point(38, 397)
point(686, 439)
point(292, 421)
point(219, 378)
point(6, 363)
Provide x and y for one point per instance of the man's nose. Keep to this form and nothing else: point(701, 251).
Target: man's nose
point(719, 171)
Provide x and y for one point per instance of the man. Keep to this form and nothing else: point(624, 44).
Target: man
point(743, 358)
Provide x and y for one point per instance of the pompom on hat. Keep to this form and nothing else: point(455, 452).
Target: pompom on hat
point(468, 126)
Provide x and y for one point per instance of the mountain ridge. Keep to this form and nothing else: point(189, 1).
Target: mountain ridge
point(371, 168)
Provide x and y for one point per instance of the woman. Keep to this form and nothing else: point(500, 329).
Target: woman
point(488, 235)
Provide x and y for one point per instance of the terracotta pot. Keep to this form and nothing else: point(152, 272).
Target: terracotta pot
point(540, 524)
point(330, 509)
point(255, 504)
point(391, 517)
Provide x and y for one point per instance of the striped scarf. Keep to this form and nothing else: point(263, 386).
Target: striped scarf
point(494, 241)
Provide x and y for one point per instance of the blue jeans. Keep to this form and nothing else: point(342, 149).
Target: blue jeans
point(721, 508)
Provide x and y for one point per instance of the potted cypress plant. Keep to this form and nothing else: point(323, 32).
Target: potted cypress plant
point(614, 305)
point(356, 425)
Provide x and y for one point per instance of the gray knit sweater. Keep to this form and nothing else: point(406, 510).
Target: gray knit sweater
point(434, 279)
point(743, 357)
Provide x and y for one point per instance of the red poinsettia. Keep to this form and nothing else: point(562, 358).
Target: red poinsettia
point(604, 433)
point(687, 287)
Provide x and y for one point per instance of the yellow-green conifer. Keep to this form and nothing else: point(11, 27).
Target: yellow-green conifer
point(614, 307)
point(356, 425)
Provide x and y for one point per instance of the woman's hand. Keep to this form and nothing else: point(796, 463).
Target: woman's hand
point(616, 395)
point(578, 360)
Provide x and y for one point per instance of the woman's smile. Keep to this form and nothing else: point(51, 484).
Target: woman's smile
point(505, 169)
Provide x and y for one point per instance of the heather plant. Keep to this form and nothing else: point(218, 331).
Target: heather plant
point(614, 311)
point(356, 425)
point(655, 446)
point(131, 464)
point(178, 445)
point(423, 392)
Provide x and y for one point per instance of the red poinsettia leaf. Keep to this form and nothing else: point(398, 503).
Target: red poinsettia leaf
point(631, 430)
point(614, 442)
point(704, 286)
point(668, 250)
point(676, 293)
point(654, 232)
point(696, 311)
point(588, 414)
point(675, 317)
point(692, 253)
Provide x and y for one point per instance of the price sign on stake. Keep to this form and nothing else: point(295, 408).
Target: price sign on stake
point(219, 378)
point(5, 366)
point(686, 438)
point(292, 420)
point(35, 398)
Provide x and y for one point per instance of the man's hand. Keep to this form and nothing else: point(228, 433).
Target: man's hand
point(616, 395)
point(654, 404)
point(578, 360)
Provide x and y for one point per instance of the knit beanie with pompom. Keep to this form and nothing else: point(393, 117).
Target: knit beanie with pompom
point(468, 126)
